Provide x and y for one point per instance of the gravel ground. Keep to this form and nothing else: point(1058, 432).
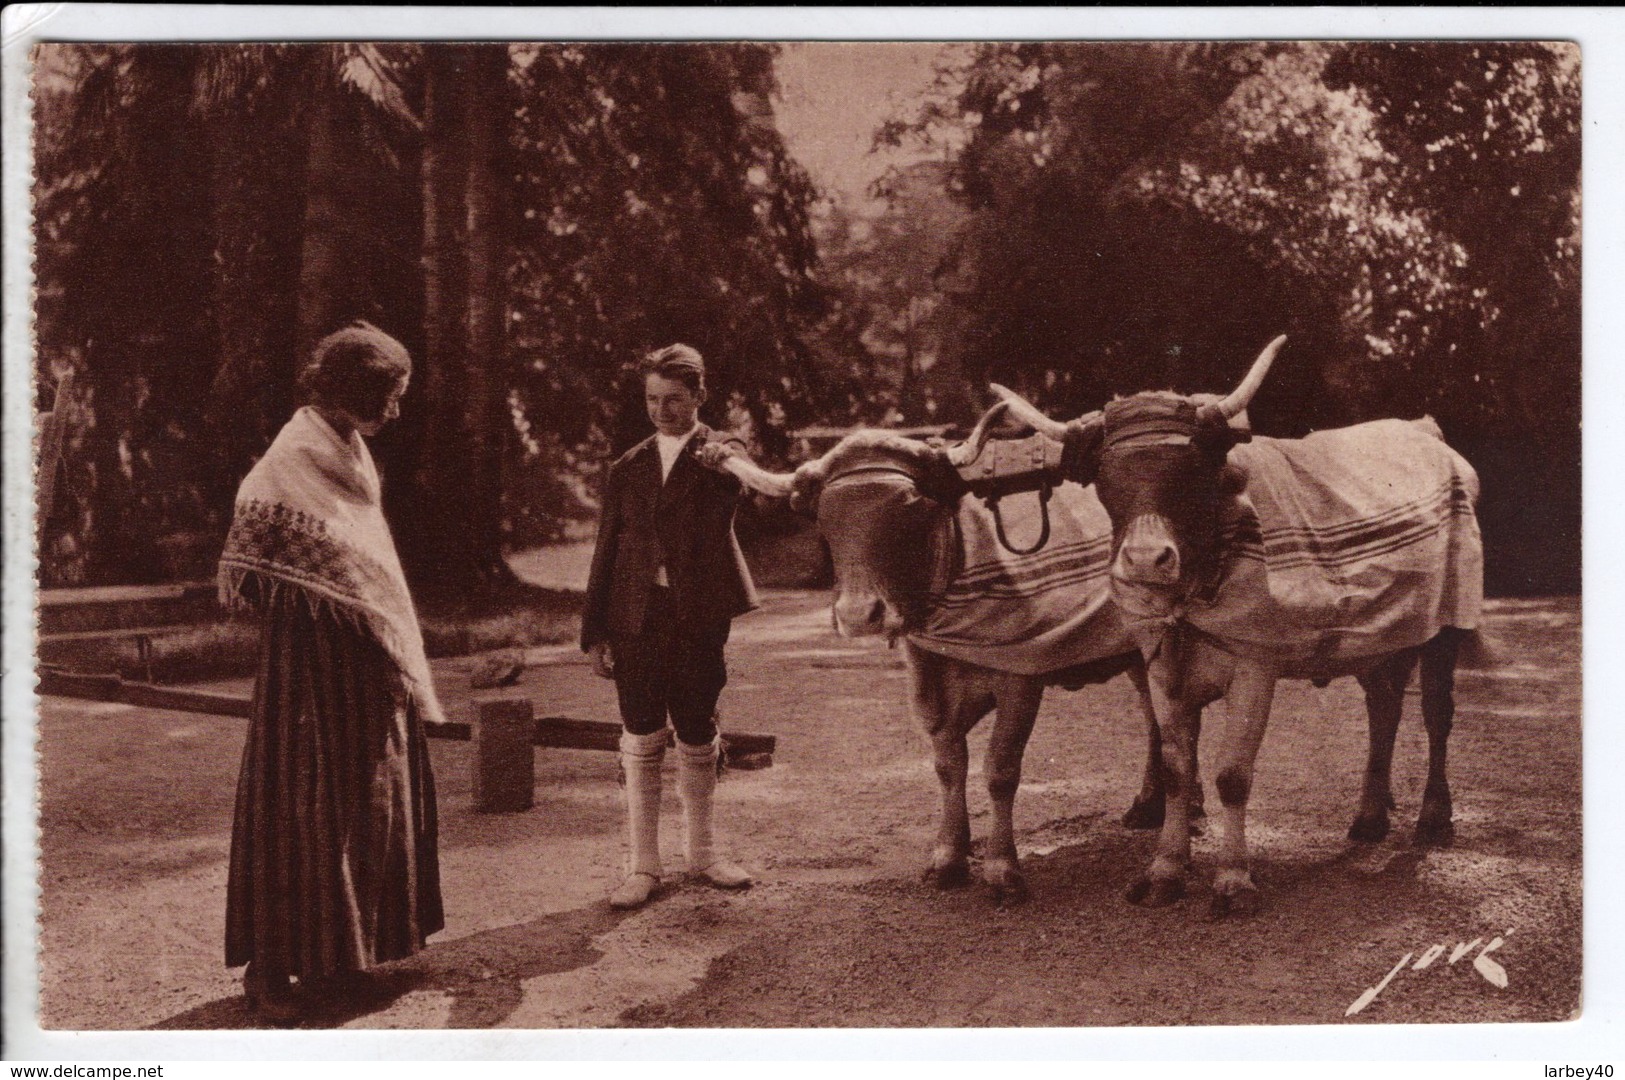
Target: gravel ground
point(839, 932)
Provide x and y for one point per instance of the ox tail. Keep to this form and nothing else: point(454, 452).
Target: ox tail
point(1474, 651)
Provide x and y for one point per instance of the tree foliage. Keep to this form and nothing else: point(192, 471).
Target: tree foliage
point(1088, 219)
point(886, 271)
point(526, 219)
point(661, 205)
point(1146, 215)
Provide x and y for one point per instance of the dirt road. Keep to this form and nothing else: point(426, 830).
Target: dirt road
point(136, 810)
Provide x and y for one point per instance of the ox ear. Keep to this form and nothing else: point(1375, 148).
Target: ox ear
point(940, 480)
point(806, 486)
point(1215, 435)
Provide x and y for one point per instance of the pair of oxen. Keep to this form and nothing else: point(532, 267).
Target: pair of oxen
point(1219, 598)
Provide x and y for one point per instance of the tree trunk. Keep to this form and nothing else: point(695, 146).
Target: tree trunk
point(430, 548)
point(321, 287)
point(456, 542)
point(485, 403)
point(248, 395)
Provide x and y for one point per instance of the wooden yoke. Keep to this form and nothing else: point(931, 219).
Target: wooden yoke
point(1008, 466)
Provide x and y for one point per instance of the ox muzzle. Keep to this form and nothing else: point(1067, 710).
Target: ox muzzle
point(1146, 571)
point(865, 613)
point(1148, 554)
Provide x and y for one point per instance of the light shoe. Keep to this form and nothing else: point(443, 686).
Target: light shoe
point(696, 785)
point(725, 875)
point(634, 892)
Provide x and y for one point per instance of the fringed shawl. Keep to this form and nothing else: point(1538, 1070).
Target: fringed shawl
point(309, 517)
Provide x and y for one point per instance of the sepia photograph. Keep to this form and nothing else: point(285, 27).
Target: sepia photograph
point(871, 535)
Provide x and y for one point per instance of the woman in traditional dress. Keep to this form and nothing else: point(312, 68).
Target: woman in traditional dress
point(334, 855)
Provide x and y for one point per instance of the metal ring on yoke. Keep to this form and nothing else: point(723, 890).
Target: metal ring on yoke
point(992, 502)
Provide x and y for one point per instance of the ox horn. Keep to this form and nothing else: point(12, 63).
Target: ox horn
point(966, 452)
point(1237, 400)
point(1028, 413)
point(757, 478)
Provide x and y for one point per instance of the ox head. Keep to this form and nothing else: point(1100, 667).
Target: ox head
point(1158, 462)
point(883, 503)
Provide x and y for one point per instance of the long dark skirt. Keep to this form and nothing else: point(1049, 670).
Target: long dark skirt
point(334, 853)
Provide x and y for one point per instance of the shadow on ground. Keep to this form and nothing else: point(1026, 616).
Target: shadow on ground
point(483, 973)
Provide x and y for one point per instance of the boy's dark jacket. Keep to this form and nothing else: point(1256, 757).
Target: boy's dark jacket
point(686, 524)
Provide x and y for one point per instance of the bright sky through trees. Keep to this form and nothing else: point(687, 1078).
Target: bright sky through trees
point(834, 96)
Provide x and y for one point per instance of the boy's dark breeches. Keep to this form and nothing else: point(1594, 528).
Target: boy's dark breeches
point(672, 668)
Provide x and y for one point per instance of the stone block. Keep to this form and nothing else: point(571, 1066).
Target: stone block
point(504, 756)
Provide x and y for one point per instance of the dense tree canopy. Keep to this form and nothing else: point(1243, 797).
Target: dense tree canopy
point(1086, 219)
point(1145, 215)
point(527, 219)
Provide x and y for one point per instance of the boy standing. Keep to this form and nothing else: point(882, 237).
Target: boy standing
point(667, 579)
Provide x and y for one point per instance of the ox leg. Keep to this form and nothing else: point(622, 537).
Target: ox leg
point(1384, 703)
point(1018, 701)
point(1248, 706)
point(1434, 827)
point(949, 866)
point(1164, 880)
point(1146, 812)
point(1198, 808)
point(947, 706)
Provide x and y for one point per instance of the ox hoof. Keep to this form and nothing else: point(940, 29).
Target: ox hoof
point(1155, 892)
point(1240, 901)
point(1144, 814)
point(1369, 828)
point(1435, 833)
point(954, 875)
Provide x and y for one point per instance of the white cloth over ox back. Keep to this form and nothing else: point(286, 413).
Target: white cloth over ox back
point(1364, 541)
point(1030, 614)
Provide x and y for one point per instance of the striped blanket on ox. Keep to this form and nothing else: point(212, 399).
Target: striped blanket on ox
point(1360, 540)
point(1030, 614)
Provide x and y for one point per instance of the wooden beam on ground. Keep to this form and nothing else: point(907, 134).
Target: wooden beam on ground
point(61, 683)
point(117, 607)
point(740, 749)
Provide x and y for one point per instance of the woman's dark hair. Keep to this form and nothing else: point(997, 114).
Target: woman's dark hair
point(355, 369)
point(681, 363)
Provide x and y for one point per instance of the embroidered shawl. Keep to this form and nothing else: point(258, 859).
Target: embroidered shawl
point(309, 517)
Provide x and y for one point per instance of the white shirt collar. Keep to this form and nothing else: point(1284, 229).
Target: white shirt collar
point(670, 446)
point(676, 440)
